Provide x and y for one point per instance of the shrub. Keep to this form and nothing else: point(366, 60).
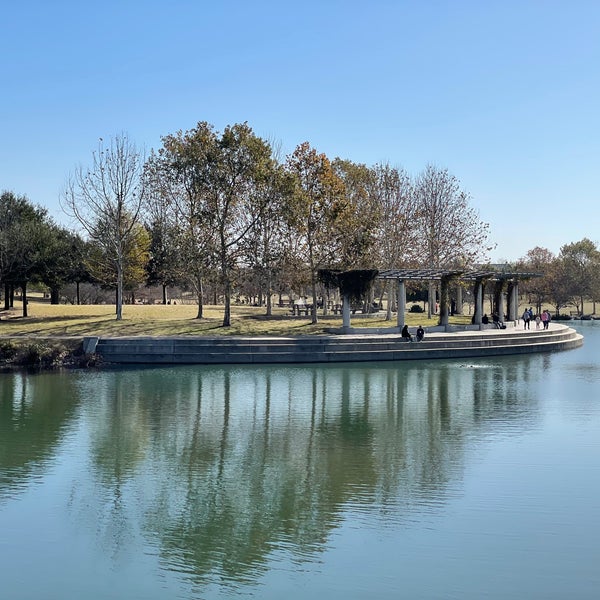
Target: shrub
point(7, 350)
point(416, 308)
point(38, 354)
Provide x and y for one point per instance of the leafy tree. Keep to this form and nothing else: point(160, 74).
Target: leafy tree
point(176, 181)
point(316, 212)
point(25, 232)
point(107, 200)
point(362, 216)
point(537, 260)
point(556, 279)
point(581, 263)
point(131, 268)
point(61, 261)
point(240, 167)
point(265, 244)
point(220, 177)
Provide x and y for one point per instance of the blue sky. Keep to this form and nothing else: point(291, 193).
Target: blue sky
point(506, 95)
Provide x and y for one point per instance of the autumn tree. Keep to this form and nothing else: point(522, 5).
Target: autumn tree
point(215, 186)
point(362, 215)
point(316, 212)
point(581, 264)
point(265, 245)
point(106, 199)
point(105, 269)
point(176, 180)
point(236, 200)
point(540, 261)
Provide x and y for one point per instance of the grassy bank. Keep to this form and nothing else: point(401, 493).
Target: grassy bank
point(68, 321)
point(51, 335)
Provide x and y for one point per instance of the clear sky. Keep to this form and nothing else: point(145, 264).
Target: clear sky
point(506, 95)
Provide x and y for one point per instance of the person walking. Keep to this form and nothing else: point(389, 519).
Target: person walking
point(545, 319)
point(526, 319)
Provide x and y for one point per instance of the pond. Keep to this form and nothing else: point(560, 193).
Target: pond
point(443, 479)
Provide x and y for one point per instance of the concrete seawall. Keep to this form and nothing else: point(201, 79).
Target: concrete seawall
point(353, 347)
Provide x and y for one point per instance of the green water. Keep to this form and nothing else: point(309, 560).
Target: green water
point(470, 479)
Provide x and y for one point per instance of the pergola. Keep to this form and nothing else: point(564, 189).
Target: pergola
point(500, 277)
point(479, 277)
point(493, 273)
point(444, 276)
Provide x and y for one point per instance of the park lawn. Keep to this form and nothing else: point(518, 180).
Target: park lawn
point(64, 320)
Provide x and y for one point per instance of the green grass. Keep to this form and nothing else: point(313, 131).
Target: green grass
point(46, 320)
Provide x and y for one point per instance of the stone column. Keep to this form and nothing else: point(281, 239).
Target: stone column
point(346, 313)
point(459, 300)
point(443, 302)
point(478, 314)
point(501, 305)
point(401, 303)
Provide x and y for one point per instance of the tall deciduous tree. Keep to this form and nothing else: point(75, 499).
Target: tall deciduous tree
point(265, 245)
point(581, 264)
point(106, 199)
point(537, 260)
point(235, 198)
point(175, 179)
point(219, 177)
point(450, 230)
point(317, 211)
point(398, 235)
point(25, 233)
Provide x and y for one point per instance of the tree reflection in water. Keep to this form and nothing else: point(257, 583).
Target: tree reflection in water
point(36, 411)
point(221, 466)
point(215, 469)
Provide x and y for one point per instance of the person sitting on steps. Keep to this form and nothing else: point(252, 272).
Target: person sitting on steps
point(420, 333)
point(406, 334)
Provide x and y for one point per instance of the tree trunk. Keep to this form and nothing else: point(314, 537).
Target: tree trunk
point(227, 312)
point(24, 297)
point(164, 293)
point(6, 296)
point(313, 283)
point(269, 294)
point(77, 292)
point(119, 291)
point(54, 295)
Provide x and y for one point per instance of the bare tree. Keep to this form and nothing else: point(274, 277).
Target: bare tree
point(106, 199)
point(398, 231)
point(450, 230)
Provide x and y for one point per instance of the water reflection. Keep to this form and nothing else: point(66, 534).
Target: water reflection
point(220, 467)
point(35, 412)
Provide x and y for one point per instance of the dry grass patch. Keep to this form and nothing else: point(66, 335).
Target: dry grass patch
point(46, 320)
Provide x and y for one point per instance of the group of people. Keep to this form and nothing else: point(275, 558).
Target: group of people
point(419, 335)
point(542, 319)
point(495, 319)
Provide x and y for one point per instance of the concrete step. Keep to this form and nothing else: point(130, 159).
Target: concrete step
point(237, 350)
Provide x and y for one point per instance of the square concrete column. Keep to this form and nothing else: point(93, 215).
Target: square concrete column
point(514, 306)
point(346, 312)
point(478, 304)
point(401, 302)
